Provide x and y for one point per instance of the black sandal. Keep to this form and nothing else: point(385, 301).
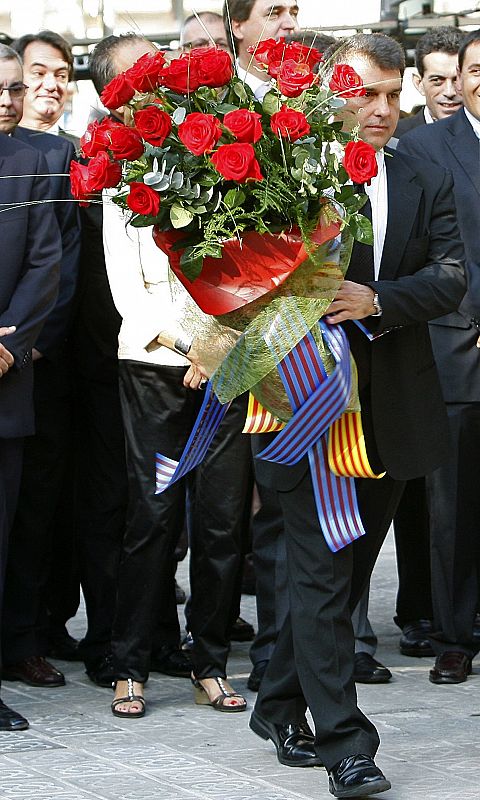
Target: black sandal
point(218, 703)
point(130, 698)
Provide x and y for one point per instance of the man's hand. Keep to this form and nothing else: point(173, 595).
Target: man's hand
point(196, 373)
point(6, 358)
point(353, 301)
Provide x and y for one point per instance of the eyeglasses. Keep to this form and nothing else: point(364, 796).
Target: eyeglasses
point(16, 90)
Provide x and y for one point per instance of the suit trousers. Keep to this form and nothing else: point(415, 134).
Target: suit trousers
point(312, 664)
point(31, 548)
point(11, 451)
point(412, 543)
point(100, 504)
point(454, 503)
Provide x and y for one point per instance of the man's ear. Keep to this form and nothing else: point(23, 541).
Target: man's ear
point(237, 29)
point(418, 83)
point(459, 80)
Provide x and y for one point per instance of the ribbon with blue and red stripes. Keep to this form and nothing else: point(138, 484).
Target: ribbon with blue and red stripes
point(168, 471)
point(317, 400)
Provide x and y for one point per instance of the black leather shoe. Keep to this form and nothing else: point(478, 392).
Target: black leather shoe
point(256, 675)
point(242, 631)
point(63, 646)
point(10, 720)
point(172, 662)
point(294, 742)
point(34, 671)
point(414, 639)
point(367, 670)
point(102, 671)
point(356, 776)
point(451, 667)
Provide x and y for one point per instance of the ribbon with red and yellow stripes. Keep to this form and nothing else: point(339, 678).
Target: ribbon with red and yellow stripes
point(347, 453)
point(259, 420)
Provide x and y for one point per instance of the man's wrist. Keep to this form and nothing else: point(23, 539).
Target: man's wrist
point(376, 305)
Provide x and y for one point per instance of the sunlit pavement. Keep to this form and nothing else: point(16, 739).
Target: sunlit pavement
point(76, 750)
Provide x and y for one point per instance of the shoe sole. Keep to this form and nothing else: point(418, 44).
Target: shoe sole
point(257, 726)
point(362, 791)
point(372, 680)
point(12, 677)
point(417, 653)
point(445, 679)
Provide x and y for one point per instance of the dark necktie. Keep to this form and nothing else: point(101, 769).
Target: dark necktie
point(361, 268)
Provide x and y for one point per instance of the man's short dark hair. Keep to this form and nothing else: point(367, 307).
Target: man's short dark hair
point(471, 38)
point(47, 37)
point(380, 50)
point(439, 40)
point(9, 54)
point(238, 10)
point(101, 62)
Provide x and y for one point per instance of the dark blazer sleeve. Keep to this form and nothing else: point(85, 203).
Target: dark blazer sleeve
point(438, 285)
point(57, 325)
point(36, 290)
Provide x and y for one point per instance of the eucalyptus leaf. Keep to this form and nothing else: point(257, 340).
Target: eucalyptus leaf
point(239, 90)
point(337, 102)
point(180, 217)
point(225, 108)
point(176, 182)
point(199, 209)
point(179, 115)
point(271, 104)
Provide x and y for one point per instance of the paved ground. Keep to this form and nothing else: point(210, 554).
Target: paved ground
point(76, 750)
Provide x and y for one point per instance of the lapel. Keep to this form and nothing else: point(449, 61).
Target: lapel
point(465, 147)
point(403, 201)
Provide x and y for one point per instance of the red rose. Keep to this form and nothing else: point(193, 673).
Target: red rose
point(237, 162)
point(143, 76)
point(245, 125)
point(102, 173)
point(125, 143)
point(289, 124)
point(262, 50)
point(153, 125)
point(360, 161)
point(273, 54)
point(118, 92)
point(78, 180)
point(181, 75)
point(294, 78)
point(346, 82)
point(199, 132)
point(96, 138)
point(143, 200)
point(214, 66)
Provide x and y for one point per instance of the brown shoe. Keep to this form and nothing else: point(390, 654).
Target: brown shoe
point(451, 667)
point(34, 671)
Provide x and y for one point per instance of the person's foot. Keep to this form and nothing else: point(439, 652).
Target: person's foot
point(294, 742)
point(368, 670)
point(242, 631)
point(451, 667)
point(171, 661)
point(256, 675)
point(11, 720)
point(414, 639)
point(101, 671)
point(180, 595)
point(129, 700)
point(34, 671)
point(63, 646)
point(218, 693)
point(356, 776)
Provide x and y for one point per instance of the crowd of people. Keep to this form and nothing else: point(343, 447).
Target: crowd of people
point(97, 376)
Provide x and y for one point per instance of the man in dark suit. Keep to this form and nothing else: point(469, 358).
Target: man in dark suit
point(414, 273)
point(436, 77)
point(28, 288)
point(47, 454)
point(452, 492)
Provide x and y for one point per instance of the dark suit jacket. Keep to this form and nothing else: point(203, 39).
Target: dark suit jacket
point(59, 153)
point(452, 144)
point(409, 123)
point(31, 252)
point(421, 277)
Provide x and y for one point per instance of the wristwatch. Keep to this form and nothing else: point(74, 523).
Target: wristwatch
point(377, 306)
point(183, 346)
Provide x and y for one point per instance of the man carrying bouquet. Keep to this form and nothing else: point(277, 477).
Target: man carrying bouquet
point(413, 274)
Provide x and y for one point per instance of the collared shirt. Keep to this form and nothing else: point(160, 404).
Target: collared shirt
point(474, 122)
point(377, 193)
point(428, 117)
point(258, 87)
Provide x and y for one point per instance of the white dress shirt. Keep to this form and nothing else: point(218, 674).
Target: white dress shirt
point(147, 295)
point(377, 193)
point(474, 122)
